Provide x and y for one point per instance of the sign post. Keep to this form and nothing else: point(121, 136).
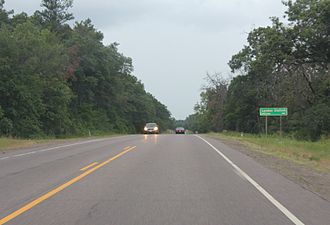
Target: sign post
point(281, 126)
point(273, 112)
point(266, 126)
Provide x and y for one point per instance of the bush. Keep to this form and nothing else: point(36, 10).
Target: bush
point(6, 126)
point(315, 123)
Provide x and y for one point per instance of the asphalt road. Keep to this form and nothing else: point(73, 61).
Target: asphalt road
point(149, 180)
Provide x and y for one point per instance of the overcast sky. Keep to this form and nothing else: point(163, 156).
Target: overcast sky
point(173, 43)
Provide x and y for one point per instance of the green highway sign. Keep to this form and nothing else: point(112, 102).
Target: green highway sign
point(273, 111)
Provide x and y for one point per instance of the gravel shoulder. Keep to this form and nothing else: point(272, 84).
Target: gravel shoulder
point(315, 181)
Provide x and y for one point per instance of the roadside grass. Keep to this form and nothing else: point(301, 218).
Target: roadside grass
point(11, 143)
point(8, 143)
point(314, 154)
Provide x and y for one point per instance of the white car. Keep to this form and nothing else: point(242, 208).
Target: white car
point(151, 128)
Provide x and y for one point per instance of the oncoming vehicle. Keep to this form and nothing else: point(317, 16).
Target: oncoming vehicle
point(151, 128)
point(179, 130)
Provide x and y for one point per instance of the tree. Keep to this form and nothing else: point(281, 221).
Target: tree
point(210, 110)
point(56, 80)
point(282, 65)
point(4, 14)
point(241, 109)
point(33, 62)
point(55, 14)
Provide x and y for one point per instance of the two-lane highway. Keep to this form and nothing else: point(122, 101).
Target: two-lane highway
point(149, 180)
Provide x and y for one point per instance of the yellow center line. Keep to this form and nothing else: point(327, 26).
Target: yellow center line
point(89, 166)
point(127, 147)
point(58, 189)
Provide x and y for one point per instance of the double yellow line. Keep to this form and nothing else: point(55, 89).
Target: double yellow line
point(60, 188)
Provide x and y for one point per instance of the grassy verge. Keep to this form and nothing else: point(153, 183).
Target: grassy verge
point(14, 143)
point(315, 154)
point(10, 143)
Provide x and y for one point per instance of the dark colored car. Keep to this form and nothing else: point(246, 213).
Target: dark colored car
point(151, 128)
point(180, 130)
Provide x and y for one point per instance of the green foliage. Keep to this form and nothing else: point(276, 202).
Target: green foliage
point(279, 56)
point(241, 110)
point(32, 61)
point(61, 81)
point(55, 14)
point(6, 126)
point(4, 14)
point(315, 122)
point(283, 65)
point(209, 112)
point(197, 123)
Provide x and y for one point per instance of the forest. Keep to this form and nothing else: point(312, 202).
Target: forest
point(58, 79)
point(285, 64)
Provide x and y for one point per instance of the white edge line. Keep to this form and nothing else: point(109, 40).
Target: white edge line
point(7, 157)
point(276, 203)
point(49, 149)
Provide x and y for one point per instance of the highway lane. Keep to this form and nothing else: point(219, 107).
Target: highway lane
point(155, 179)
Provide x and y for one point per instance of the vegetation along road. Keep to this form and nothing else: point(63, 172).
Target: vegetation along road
point(232, 165)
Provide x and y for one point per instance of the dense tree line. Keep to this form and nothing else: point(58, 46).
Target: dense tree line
point(283, 65)
point(58, 80)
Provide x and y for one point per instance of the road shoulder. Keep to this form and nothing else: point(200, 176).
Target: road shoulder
point(315, 181)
